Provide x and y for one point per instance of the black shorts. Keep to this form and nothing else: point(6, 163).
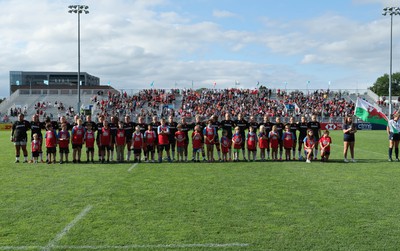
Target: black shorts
point(35, 154)
point(150, 148)
point(64, 150)
point(103, 148)
point(137, 151)
point(90, 149)
point(76, 146)
point(394, 136)
point(163, 147)
point(349, 138)
point(51, 150)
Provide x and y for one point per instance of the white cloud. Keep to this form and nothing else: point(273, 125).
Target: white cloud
point(223, 14)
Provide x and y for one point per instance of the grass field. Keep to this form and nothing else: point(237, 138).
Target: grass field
point(202, 206)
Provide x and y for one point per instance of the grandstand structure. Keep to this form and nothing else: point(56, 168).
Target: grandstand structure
point(329, 105)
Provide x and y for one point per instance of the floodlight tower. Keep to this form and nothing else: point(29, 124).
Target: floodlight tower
point(79, 9)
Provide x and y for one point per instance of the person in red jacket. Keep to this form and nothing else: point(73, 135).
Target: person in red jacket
point(163, 140)
point(51, 143)
point(77, 135)
point(63, 142)
point(226, 144)
point(120, 141)
point(180, 138)
point(325, 144)
point(150, 143)
point(137, 144)
point(89, 142)
point(36, 147)
point(251, 144)
point(237, 143)
point(105, 142)
point(197, 143)
point(262, 142)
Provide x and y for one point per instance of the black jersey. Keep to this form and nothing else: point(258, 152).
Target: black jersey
point(294, 127)
point(279, 128)
point(92, 123)
point(19, 130)
point(172, 130)
point(228, 125)
point(185, 128)
point(303, 127)
point(202, 125)
point(154, 127)
point(129, 129)
point(37, 127)
point(254, 125)
point(113, 129)
point(268, 126)
point(315, 127)
point(216, 125)
point(243, 125)
point(143, 127)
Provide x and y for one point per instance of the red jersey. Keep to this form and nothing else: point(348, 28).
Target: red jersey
point(288, 140)
point(197, 140)
point(35, 145)
point(137, 140)
point(324, 141)
point(237, 141)
point(105, 136)
point(308, 143)
point(63, 139)
point(89, 139)
point(251, 141)
point(180, 138)
point(150, 137)
point(209, 133)
point(120, 137)
point(262, 141)
point(78, 133)
point(273, 139)
point(51, 139)
point(163, 135)
point(226, 144)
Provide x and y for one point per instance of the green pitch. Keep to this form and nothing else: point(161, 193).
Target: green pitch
point(201, 206)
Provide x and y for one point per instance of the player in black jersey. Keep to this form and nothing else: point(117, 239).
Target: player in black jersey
point(172, 130)
point(228, 125)
point(315, 126)
point(19, 136)
point(243, 126)
point(268, 127)
point(113, 132)
point(155, 124)
point(143, 128)
point(293, 129)
point(303, 127)
point(215, 124)
point(89, 121)
point(128, 128)
point(37, 127)
point(99, 127)
point(254, 124)
point(185, 129)
point(280, 126)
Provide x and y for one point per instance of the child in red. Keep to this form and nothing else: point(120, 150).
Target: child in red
point(309, 145)
point(89, 142)
point(197, 142)
point(105, 142)
point(63, 142)
point(237, 143)
point(251, 144)
point(288, 139)
point(120, 141)
point(226, 144)
point(274, 142)
point(149, 142)
point(209, 133)
point(51, 143)
point(137, 144)
point(180, 138)
point(262, 142)
point(77, 135)
point(325, 144)
point(35, 147)
point(163, 141)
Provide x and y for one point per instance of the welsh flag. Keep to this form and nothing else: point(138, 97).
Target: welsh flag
point(369, 113)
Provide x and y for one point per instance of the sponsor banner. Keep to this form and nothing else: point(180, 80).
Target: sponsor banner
point(5, 126)
point(370, 126)
point(331, 126)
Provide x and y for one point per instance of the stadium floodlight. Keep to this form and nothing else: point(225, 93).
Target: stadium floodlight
point(79, 9)
point(391, 11)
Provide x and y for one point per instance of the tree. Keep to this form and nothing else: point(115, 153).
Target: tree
point(381, 85)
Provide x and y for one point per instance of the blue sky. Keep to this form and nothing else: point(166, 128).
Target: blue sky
point(131, 43)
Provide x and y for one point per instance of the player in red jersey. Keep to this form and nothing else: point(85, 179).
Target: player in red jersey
point(77, 139)
point(309, 145)
point(35, 148)
point(63, 142)
point(105, 142)
point(262, 142)
point(226, 144)
point(273, 137)
point(325, 144)
point(163, 140)
point(149, 143)
point(237, 141)
point(288, 139)
point(51, 143)
point(251, 144)
point(180, 138)
point(137, 144)
point(197, 143)
point(120, 141)
point(209, 133)
point(89, 142)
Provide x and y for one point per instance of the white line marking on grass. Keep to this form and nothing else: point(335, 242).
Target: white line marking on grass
point(160, 246)
point(60, 235)
point(133, 166)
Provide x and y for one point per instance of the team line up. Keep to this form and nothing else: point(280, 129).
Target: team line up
point(274, 140)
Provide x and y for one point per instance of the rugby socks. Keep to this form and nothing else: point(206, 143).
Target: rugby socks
point(396, 152)
point(390, 152)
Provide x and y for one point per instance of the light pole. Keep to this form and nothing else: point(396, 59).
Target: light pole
point(391, 11)
point(79, 9)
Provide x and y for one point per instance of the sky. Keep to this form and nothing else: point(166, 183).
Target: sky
point(292, 44)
